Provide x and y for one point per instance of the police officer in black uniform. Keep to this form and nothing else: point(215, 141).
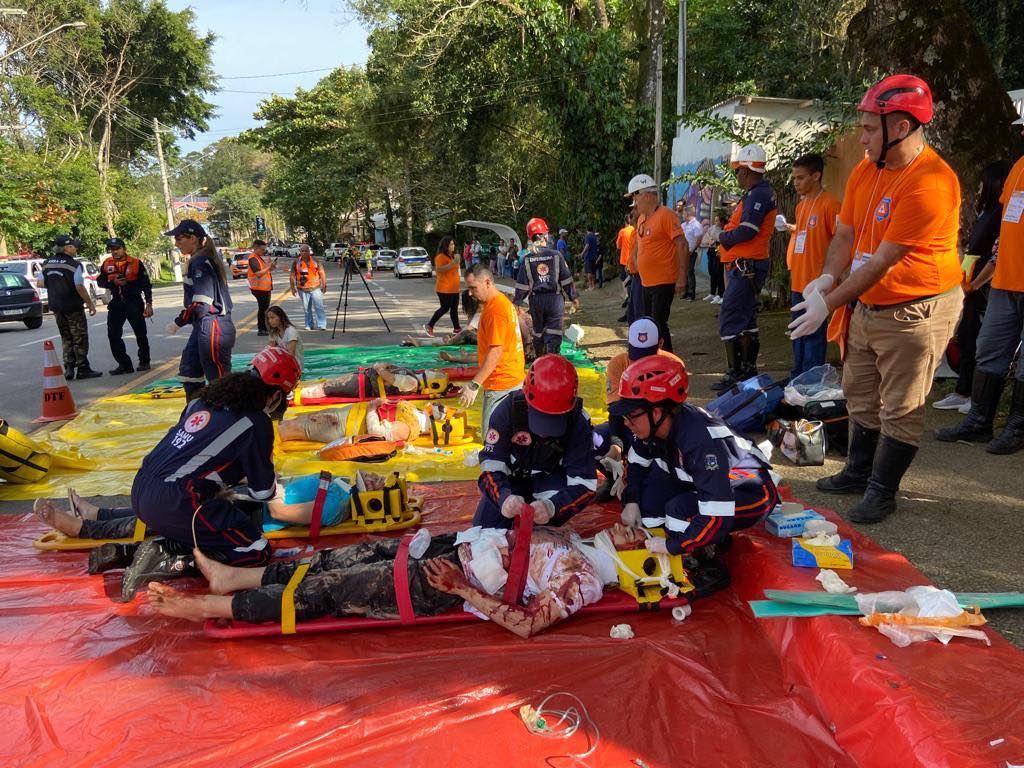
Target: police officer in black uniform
point(131, 299)
point(543, 279)
point(64, 279)
point(538, 450)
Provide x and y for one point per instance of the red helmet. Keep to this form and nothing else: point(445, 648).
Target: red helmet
point(550, 385)
point(536, 226)
point(277, 368)
point(656, 379)
point(899, 93)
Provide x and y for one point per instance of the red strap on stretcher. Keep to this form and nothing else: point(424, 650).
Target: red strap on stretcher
point(361, 378)
point(318, 504)
point(406, 615)
point(519, 557)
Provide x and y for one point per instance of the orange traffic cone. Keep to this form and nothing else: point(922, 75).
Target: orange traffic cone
point(58, 404)
point(369, 270)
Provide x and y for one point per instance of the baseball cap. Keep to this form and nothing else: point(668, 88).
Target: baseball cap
point(62, 240)
point(640, 183)
point(115, 242)
point(257, 242)
point(643, 338)
point(563, 231)
point(546, 424)
point(187, 227)
point(625, 405)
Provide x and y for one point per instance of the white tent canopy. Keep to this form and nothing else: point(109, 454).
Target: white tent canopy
point(505, 233)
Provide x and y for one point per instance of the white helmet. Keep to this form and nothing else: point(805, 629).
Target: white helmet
point(751, 156)
point(640, 183)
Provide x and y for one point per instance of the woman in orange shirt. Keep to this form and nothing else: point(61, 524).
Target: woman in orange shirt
point(446, 269)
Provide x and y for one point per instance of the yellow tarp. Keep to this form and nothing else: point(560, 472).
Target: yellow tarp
point(101, 449)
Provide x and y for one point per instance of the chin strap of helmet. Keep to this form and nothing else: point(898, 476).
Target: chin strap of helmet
point(666, 413)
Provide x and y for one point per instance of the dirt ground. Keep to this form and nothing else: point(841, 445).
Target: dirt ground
point(961, 510)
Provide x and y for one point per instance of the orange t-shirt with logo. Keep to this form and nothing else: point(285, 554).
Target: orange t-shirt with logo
point(624, 240)
point(500, 325)
point(1009, 275)
point(616, 366)
point(815, 227)
point(447, 281)
point(916, 206)
point(656, 250)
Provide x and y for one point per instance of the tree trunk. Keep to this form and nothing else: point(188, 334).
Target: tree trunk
point(407, 181)
point(103, 167)
point(655, 37)
point(937, 41)
point(601, 10)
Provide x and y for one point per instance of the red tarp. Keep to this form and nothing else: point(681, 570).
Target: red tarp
point(89, 682)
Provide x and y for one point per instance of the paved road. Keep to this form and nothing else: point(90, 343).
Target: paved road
point(405, 304)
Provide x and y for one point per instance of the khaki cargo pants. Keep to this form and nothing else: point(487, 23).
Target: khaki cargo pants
point(891, 357)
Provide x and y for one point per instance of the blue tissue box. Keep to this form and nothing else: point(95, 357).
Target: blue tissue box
point(808, 556)
point(789, 525)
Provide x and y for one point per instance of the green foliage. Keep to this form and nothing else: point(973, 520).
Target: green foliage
point(233, 210)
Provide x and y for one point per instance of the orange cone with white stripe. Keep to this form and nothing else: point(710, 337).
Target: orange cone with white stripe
point(58, 404)
point(369, 269)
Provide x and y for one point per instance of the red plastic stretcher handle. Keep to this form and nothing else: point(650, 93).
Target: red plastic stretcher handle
point(318, 504)
point(519, 557)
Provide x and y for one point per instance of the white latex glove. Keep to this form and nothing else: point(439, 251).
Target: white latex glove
point(172, 328)
point(815, 312)
point(512, 506)
point(468, 396)
point(656, 546)
point(780, 223)
point(822, 285)
point(543, 511)
point(619, 486)
point(631, 515)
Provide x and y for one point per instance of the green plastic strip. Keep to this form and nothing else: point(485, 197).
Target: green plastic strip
point(782, 602)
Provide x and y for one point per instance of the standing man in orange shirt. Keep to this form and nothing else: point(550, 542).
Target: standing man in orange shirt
point(897, 234)
point(659, 256)
point(500, 356)
point(261, 282)
point(1002, 331)
point(624, 242)
point(743, 246)
point(817, 215)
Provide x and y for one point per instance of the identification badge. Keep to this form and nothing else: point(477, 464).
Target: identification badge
point(801, 241)
point(1014, 209)
point(860, 260)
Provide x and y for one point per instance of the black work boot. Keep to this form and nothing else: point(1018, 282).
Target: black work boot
point(69, 372)
point(122, 368)
point(142, 366)
point(1011, 439)
point(976, 427)
point(860, 457)
point(86, 372)
point(750, 346)
point(108, 557)
point(154, 560)
point(734, 363)
point(892, 460)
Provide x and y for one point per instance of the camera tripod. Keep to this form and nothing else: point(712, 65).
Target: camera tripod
point(350, 265)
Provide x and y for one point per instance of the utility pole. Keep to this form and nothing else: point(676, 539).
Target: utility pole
point(681, 74)
point(657, 123)
point(169, 209)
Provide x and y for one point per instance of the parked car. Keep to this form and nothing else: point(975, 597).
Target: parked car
point(30, 269)
point(412, 261)
point(240, 264)
point(335, 251)
point(92, 274)
point(19, 301)
point(384, 259)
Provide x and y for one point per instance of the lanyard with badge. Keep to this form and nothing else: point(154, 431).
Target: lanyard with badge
point(1015, 207)
point(801, 231)
point(860, 258)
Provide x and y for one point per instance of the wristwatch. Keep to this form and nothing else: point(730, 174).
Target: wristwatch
point(473, 385)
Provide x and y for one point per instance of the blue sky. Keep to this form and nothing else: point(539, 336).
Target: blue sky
point(260, 37)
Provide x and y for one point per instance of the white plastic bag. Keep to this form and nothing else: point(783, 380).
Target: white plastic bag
point(820, 383)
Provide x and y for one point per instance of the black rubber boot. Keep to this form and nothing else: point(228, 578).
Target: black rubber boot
point(108, 557)
point(121, 369)
point(1011, 439)
point(892, 460)
point(69, 372)
point(859, 459)
point(986, 389)
point(734, 363)
point(142, 366)
point(154, 560)
point(750, 346)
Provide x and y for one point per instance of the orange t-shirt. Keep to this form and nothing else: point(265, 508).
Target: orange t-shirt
point(613, 373)
point(916, 206)
point(656, 252)
point(624, 240)
point(1009, 275)
point(448, 281)
point(500, 325)
point(815, 228)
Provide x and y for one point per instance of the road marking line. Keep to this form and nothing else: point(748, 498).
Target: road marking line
point(39, 341)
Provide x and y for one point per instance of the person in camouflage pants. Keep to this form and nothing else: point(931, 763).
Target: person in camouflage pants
point(74, 335)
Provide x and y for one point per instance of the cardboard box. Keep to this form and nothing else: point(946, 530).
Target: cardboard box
point(808, 556)
point(787, 524)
